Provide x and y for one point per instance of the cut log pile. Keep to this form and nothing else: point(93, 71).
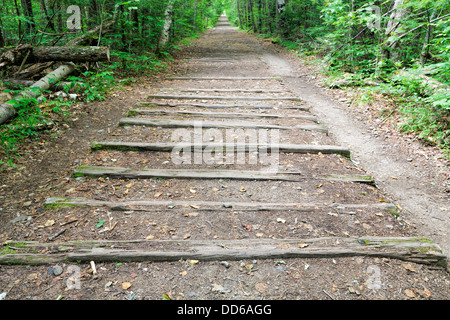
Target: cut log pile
point(43, 67)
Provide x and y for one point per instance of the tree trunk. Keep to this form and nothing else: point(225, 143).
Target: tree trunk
point(58, 53)
point(269, 16)
point(50, 23)
point(7, 109)
point(281, 23)
point(195, 15)
point(239, 13)
point(20, 22)
point(424, 53)
point(165, 34)
point(260, 14)
point(27, 7)
point(252, 16)
point(73, 54)
point(2, 37)
point(18, 84)
point(393, 29)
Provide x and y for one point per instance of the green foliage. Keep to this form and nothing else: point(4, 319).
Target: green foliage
point(26, 125)
point(133, 42)
point(346, 36)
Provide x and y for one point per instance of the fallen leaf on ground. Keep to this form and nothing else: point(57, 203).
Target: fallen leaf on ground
point(409, 293)
point(49, 223)
point(408, 267)
point(426, 292)
point(126, 285)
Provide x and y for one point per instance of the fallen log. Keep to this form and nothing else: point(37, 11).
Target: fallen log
point(7, 109)
point(70, 53)
point(56, 53)
point(18, 84)
point(14, 55)
point(33, 70)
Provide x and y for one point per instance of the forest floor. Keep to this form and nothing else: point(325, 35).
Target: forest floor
point(407, 174)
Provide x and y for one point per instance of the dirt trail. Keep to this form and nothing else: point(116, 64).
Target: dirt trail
point(119, 215)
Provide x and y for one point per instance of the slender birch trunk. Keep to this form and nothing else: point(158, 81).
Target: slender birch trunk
point(165, 34)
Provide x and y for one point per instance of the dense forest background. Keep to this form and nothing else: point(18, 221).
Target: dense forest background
point(397, 48)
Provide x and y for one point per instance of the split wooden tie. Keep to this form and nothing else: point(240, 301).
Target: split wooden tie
point(413, 249)
point(228, 147)
point(152, 205)
point(229, 115)
point(167, 123)
point(218, 98)
point(128, 173)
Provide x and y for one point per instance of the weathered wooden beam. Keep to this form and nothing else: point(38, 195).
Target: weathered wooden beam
point(166, 123)
point(223, 78)
point(128, 173)
point(217, 106)
point(229, 147)
point(413, 249)
point(229, 115)
point(249, 98)
point(151, 205)
point(224, 90)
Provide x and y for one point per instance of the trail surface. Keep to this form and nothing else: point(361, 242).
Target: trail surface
point(259, 201)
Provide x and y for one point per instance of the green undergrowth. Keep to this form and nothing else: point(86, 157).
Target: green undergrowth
point(414, 99)
point(37, 117)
